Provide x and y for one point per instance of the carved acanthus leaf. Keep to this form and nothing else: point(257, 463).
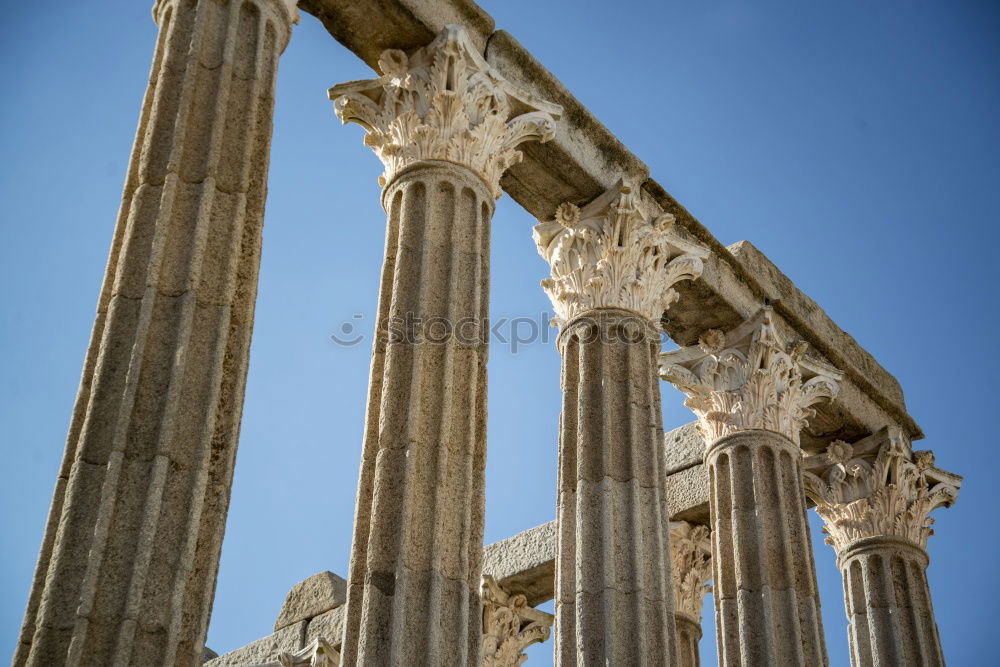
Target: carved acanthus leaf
point(444, 102)
point(691, 552)
point(611, 254)
point(509, 626)
point(749, 379)
point(892, 494)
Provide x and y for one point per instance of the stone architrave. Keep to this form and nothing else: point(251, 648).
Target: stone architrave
point(126, 571)
point(613, 267)
point(876, 508)
point(509, 626)
point(752, 393)
point(445, 126)
point(691, 549)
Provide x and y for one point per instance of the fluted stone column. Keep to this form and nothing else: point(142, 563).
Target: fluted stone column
point(751, 394)
point(126, 573)
point(613, 266)
point(442, 122)
point(876, 512)
point(691, 547)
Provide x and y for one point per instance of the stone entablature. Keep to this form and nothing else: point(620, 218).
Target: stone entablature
point(890, 491)
point(510, 625)
point(750, 378)
point(612, 254)
point(444, 102)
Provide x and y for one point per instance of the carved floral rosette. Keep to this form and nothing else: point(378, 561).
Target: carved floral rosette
point(444, 102)
point(691, 555)
point(509, 626)
point(748, 379)
point(891, 494)
point(611, 254)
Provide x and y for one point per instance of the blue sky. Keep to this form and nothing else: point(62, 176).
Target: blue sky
point(854, 143)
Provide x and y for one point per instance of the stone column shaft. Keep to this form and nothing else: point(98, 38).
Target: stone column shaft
point(443, 123)
point(768, 609)
point(891, 620)
point(415, 566)
point(126, 572)
point(614, 600)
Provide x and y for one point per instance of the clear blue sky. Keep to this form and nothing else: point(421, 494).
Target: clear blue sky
point(855, 143)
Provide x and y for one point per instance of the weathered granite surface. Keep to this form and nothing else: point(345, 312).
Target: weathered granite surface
point(687, 494)
point(684, 447)
point(311, 597)
point(329, 626)
point(127, 567)
point(525, 563)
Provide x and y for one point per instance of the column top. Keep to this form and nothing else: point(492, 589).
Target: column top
point(750, 378)
point(877, 487)
point(444, 102)
point(615, 253)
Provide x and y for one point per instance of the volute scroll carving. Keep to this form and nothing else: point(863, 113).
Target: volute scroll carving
point(509, 626)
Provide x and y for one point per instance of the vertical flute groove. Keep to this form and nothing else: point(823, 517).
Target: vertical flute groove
point(614, 597)
point(767, 606)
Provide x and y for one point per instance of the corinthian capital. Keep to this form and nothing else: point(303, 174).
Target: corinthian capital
point(509, 626)
point(691, 553)
point(444, 102)
point(611, 254)
point(888, 492)
point(749, 378)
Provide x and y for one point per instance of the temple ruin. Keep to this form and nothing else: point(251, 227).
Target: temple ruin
point(789, 411)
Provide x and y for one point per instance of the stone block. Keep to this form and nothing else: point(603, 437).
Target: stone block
point(684, 447)
point(328, 626)
point(311, 597)
point(525, 563)
point(687, 494)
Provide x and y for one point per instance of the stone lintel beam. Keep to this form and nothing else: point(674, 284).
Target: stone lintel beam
point(368, 28)
point(525, 563)
point(585, 158)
